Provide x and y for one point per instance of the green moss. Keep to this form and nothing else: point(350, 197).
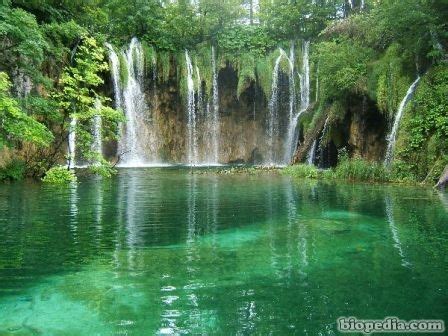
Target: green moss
point(264, 70)
point(246, 72)
point(389, 81)
point(124, 74)
point(150, 57)
point(165, 65)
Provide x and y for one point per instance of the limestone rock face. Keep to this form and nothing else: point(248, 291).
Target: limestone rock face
point(242, 136)
point(243, 123)
point(366, 130)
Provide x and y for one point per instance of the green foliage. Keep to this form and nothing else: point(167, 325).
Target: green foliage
point(405, 22)
point(60, 37)
point(302, 171)
point(246, 72)
point(103, 168)
point(264, 68)
point(342, 68)
point(390, 75)
point(423, 137)
point(361, 170)
point(286, 20)
point(78, 97)
point(165, 65)
point(13, 170)
point(241, 39)
point(59, 175)
point(15, 125)
point(22, 44)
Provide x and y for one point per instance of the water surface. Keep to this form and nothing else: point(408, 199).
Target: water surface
point(164, 251)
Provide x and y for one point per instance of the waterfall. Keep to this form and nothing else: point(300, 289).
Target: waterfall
point(115, 74)
point(273, 110)
point(200, 103)
point(317, 84)
point(312, 153)
point(350, 3)
point(362, 4)
point(292, 135)
point(305, 78)
point(292, 108)
point(138, 143)
point(215, 112)
point(129, 145)
point(191, 125)
point(321, 139)
point(392, 137)
point(71, 161)
point(97, 146)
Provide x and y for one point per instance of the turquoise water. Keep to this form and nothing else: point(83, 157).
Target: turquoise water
point(163, 251)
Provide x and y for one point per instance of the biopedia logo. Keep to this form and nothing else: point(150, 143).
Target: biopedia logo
point(389, 325)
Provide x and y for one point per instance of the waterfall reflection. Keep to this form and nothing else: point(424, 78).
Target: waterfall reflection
point(73, 201)
point(98, 209)
point(212, 209)
point(394, 230)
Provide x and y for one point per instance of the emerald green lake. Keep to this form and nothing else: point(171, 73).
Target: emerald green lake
point(164, 251)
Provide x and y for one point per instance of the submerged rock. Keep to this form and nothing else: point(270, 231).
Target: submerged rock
point(443, 181)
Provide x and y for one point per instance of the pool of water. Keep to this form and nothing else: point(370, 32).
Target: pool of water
point(164, 251)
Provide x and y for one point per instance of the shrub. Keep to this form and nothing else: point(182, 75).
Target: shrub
point(59, 175)
point(361, 170)
point(302, 170)
point(103, 169)
point(14, 170)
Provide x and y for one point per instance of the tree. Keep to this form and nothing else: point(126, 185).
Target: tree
point(15, 125)
point(78, 93)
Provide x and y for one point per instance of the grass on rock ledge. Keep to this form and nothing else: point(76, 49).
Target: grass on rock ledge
point(355, 169)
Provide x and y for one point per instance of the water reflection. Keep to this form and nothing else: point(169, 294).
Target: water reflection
point(98, 208)
point(394, 230)
point(170, 252)
point(444, 199)
point(73, 210)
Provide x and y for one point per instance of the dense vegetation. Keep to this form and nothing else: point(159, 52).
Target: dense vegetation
point(52, 65)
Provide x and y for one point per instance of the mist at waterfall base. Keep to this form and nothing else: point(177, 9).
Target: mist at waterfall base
point(140, 138)
point(164, 251)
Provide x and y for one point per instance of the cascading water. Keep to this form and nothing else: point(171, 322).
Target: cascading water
point(305, 79)
point(200, 102)
point(115, 74)
point(311, 154)
point(317, 84)
point(273, 129)
point(215, 112)
point(392, 137)
point(97, 146)
point(135, 106)
point(71, 161)
point(292, 108)
point(292, 135)
point(191, 124)
point(321, 140)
